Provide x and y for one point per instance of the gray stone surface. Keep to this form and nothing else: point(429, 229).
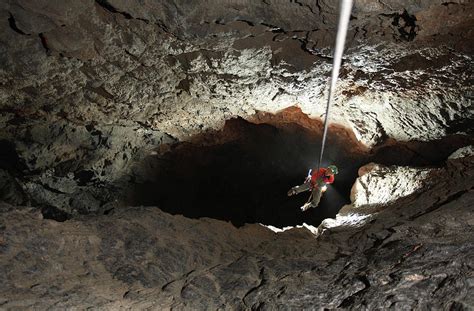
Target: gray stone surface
point(97, 85)
point(462, 152)
point(10, 189)
point(88, 89)
point(112, 62)
point(410, 256)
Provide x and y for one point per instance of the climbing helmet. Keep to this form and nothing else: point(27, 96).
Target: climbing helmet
point(333, 169)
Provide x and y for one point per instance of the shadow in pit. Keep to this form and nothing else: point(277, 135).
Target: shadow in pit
point(243, 172)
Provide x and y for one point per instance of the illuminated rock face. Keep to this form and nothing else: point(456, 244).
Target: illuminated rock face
point(379, 185)
point(376, 187)
point(90, 90)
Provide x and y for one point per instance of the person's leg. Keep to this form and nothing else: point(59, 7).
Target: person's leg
point(315, 198)
point(298, 189)
point(317, 193)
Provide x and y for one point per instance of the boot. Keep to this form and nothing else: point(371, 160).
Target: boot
point(292, 191)
point(306, 206)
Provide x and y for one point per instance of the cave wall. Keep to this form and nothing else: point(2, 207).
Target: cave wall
point(156, 64)
point(88, 88)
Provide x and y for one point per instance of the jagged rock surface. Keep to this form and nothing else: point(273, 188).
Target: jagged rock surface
point(88, 89)
point(99, 83)
point(462, 152)
point(378, 185)
point(410, 256)
point(118, 64)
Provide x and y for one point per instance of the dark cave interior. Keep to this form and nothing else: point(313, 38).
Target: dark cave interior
point(242, 173)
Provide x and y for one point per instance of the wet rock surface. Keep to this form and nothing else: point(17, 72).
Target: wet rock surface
point(409, 256)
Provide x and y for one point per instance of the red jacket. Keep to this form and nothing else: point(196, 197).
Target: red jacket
point(315, 176)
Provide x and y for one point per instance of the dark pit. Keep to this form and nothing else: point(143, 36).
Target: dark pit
point(242, 173)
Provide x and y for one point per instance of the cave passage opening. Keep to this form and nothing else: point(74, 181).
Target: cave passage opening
point(242, 173)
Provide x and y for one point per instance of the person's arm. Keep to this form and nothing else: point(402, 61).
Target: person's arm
point(330, 179)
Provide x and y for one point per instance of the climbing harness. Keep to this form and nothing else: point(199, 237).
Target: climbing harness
point(345, 14)
point(308, 177)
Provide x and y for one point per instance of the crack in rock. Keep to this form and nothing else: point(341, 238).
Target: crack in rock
point(446, 201)
point(255, 288)
point(12, 24)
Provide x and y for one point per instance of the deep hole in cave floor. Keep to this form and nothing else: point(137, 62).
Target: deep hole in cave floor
point(243, 172)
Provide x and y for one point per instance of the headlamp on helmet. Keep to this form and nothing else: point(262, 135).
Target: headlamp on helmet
point(333, 169)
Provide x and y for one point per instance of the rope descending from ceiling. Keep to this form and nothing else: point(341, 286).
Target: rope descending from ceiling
point(345, 14)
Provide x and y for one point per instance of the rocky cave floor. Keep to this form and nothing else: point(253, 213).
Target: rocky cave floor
point(401, 252)
point(146, 149)
point(413, 253)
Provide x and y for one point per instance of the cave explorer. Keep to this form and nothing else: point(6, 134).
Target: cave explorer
point(316, 182)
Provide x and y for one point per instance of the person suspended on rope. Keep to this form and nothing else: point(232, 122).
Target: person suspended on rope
point(315, 182)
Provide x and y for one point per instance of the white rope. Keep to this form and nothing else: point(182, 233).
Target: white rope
point(345, 14)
